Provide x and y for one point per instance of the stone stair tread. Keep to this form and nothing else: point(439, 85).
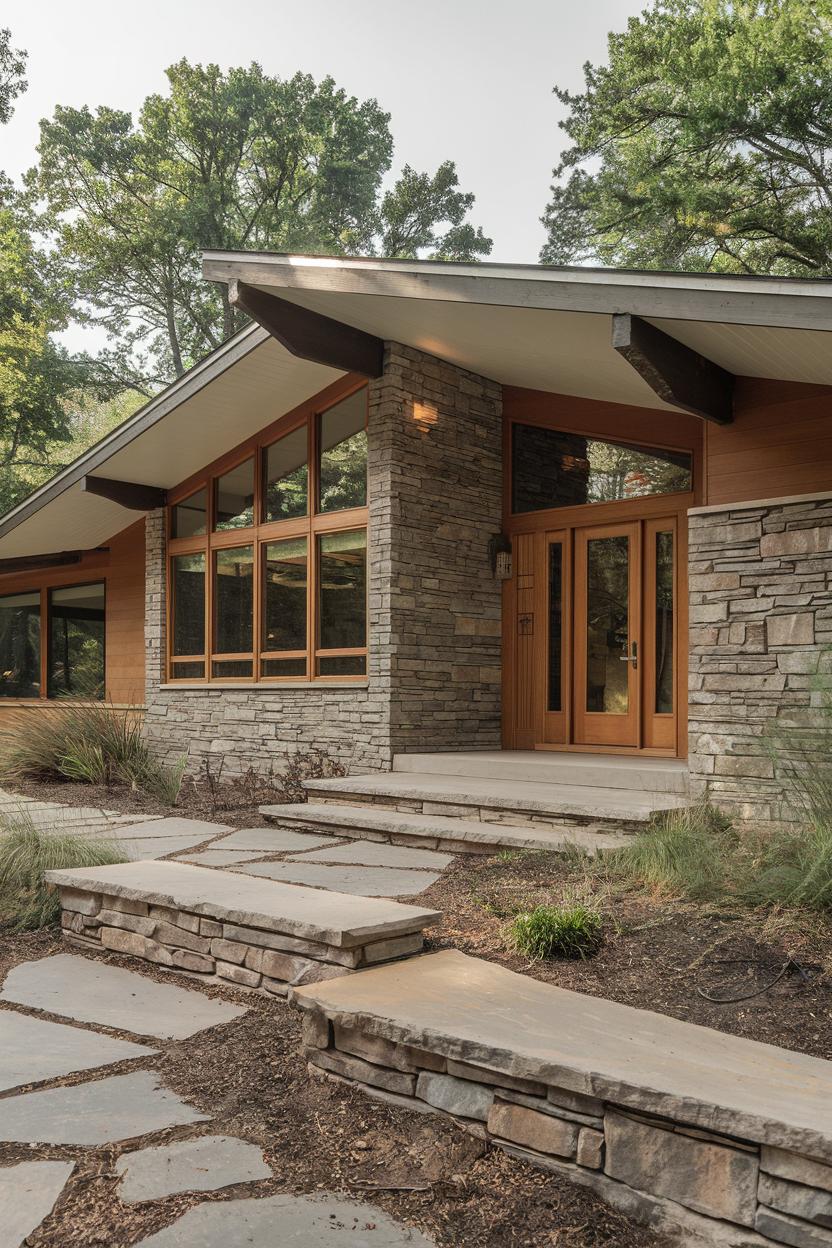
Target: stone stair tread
point(348, 819)
point(515, 795)
point(481, 1013)
point(651, 774)
point(338, 919)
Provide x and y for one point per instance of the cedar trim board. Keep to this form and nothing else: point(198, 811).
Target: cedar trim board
point(478, 1012)
point(338, 919)
point(791, 303)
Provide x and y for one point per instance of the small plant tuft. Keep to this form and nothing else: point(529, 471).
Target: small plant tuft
point(26, 852)
point(571, 930)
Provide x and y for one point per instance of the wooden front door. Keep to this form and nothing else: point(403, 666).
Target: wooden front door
point(607, 636)
point(595, 628)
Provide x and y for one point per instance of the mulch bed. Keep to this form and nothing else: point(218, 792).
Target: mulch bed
point(318, 1136)
point(658, 953)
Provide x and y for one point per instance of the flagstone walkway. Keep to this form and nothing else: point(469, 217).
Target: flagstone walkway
point(106, 1107)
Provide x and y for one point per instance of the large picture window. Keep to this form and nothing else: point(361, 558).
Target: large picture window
point(52, 643)
point(268, 554)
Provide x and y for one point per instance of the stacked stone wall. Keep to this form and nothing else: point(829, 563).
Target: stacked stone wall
point(760, 634)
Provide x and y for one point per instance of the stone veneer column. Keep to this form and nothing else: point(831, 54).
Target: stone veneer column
point(435, 501)
point(760, 622)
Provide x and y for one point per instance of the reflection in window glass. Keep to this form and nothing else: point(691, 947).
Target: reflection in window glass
point(608, 625)
point(283, 667)
point(188, 614)
point(554, 469)
point(343, 454)
point(342, 665)
point(555, 623)
point(20, 646)
point(187, 671)
point(664, 623)
point(76, 641)
point(190, 517)
point(287, 477)
point(284, 595)
point(232, 669)
point(235, 498)
point(233, 602)
point(342, 592)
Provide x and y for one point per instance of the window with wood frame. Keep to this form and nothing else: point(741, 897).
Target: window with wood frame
point(52, 642)
point(267, 568)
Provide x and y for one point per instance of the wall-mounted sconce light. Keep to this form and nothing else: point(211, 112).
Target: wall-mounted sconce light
point(499, 552)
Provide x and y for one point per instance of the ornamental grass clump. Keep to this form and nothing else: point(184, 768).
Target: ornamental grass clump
point(89, 743)
point(26, 853)
point(692, 852)
point(570, 930)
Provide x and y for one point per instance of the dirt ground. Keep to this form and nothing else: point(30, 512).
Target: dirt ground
point(317, 1136)
point(658, 953)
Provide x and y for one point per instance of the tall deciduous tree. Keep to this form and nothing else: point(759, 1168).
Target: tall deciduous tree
point(236, 160)
point(704, 144)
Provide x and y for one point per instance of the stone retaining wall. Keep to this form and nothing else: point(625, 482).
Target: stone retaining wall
point(711, 1188)
point(760, 624)
point(434, 607)
point(247, 957)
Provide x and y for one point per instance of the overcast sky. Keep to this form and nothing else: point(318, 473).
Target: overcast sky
point(467, 80)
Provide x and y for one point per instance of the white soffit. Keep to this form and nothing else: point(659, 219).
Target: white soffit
point(166, 442)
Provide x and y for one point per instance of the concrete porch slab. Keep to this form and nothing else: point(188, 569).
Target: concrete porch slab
point(478, 1012)
point(33, 1050)
point(329, 918)
point(95, 992)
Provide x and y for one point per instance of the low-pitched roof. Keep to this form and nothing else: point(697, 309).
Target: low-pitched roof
point(526, 325)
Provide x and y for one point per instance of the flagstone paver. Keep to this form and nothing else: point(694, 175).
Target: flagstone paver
point(273, 840)
point(179, 825)
point(200, 1165)
point(33, 1050)
point(378, 854)
point(146, 849)
point(291, 1222)
point(360, 881)
point(220, 857)
point(95, 992)
point(57, 814)
point(102, 1111)
point(28, 1193)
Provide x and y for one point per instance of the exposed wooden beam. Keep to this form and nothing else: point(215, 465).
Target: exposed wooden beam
point(676, 373)
point(126, 493)
point(32, 563)
point(310, 335)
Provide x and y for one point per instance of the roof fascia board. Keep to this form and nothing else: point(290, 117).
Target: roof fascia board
point(140, 422)
point(775, 303)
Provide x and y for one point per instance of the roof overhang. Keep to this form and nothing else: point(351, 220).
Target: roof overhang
point(551, 329)
point(246, 384)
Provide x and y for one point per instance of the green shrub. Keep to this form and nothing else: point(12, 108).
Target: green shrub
point(791, 867)
point(571, 930)
point(91, 743)
point(26, 852)
point(691, 851)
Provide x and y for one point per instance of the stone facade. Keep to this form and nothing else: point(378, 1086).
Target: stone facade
point(760, 632)
point(435, 464)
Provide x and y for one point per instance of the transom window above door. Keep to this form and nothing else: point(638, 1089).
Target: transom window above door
point(551, 469)
point(268, 554)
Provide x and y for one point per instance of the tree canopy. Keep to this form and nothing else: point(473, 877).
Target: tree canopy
point(705, 143)
point(236, 160)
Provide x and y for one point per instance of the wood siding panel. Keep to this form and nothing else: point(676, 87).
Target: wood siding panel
point(779, 444)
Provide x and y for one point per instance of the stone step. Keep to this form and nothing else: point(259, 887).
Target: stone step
point(513, 801)
point(259, 934)
point(607, 771)
point(693, 1130)
point(439, 831)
